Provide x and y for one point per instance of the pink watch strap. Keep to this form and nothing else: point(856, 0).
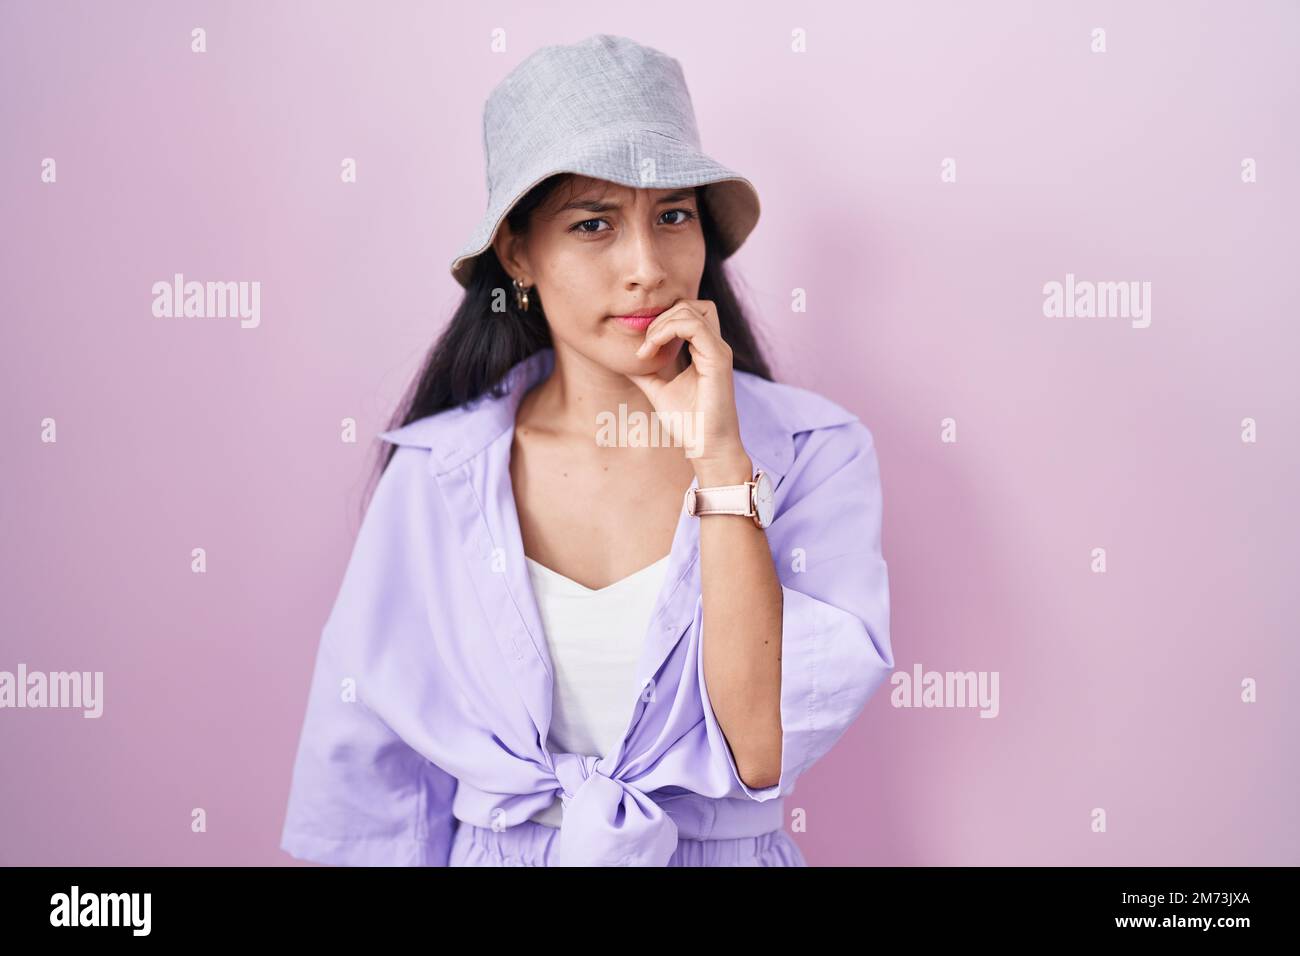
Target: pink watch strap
point(720, 500)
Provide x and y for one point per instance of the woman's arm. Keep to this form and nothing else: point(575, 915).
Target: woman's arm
point(742, 610)
point(777, 708)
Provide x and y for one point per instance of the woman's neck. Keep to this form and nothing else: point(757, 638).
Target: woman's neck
point(578, 389)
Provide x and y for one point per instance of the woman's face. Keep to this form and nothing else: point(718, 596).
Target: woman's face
point(596, 250)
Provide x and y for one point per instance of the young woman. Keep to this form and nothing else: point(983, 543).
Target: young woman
point(592, 472)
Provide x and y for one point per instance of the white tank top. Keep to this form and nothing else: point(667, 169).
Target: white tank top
point(595, 638)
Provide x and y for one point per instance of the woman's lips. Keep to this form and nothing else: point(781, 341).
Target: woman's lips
point(637, 323)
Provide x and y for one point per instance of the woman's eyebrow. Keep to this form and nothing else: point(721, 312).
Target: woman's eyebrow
point(595, 205)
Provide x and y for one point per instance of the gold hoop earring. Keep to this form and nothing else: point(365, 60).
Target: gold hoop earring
point(521, 294)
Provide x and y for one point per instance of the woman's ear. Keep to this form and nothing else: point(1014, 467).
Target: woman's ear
point(506, 246)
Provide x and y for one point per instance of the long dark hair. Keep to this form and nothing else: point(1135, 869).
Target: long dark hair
point(479, 346)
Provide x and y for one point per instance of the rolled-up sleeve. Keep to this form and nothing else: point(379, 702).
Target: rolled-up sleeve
point(360, 795)
point(835, 646)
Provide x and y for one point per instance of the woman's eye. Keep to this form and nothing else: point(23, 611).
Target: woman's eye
point(583, 227)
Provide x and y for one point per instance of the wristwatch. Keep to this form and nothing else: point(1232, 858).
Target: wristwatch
point(752, 498)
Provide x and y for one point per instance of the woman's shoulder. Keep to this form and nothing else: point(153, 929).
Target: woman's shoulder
point(791, 408)
point(425, 432)
point(793, 430)
point(449, 437)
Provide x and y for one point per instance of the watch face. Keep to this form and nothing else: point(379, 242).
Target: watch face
point(764, 501)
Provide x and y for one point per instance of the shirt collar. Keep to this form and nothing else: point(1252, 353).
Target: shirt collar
point(770, 415)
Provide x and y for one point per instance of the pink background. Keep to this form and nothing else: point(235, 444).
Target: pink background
point(1118, 690)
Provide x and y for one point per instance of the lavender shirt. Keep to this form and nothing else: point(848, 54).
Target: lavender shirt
point(432, 691)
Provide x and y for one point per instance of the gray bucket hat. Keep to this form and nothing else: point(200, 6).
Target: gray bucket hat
point(605, 107)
